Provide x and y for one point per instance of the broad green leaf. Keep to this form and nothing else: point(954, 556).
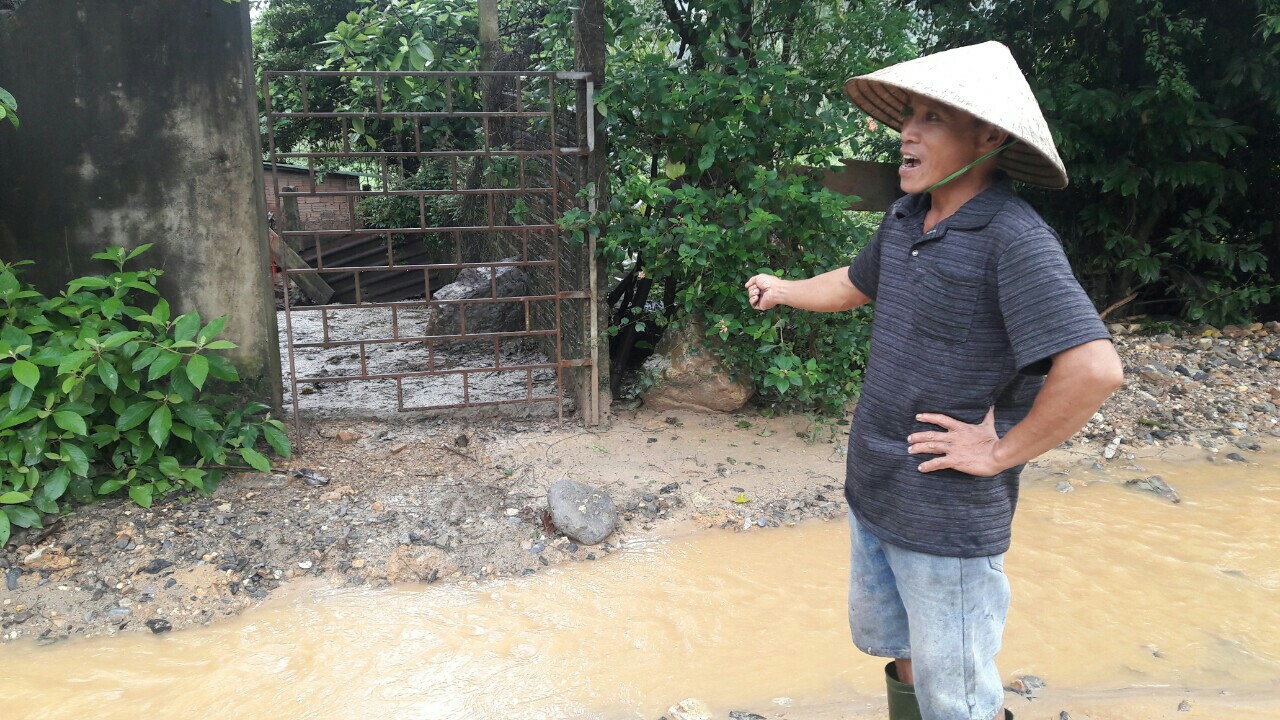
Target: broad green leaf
point(277, 440)
point(14, 498)
point(55, 484)
point(169, 466)
point(71, 422)
point(197, 417)
point(141, 494)
point(160, 424)
point(221, 368)
point(145, 358)
point(187, 326)
point(4, 529)
point(26, 373)
point(111, 486)
point(161, 313)
point(138, 251)
point(77, 461)
point(19, 396)
point(197, 370)
point(221, 345)
point(23, 517)
point(163, 365)
point(206, 445)
point(256, 460)
point(73, 362)
point(134, 415)
point(107, 372)
point(211, 330)
point(115, 340)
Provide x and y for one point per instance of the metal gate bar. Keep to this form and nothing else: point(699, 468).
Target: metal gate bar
point(500, 228)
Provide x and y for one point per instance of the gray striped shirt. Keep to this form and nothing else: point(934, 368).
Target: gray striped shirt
point(967, 316)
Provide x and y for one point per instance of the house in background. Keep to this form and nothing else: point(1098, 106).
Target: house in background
point(315, 212)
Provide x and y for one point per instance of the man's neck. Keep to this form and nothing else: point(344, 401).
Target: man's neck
point(948, 199)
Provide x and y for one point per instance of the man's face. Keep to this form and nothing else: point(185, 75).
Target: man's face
point(937, 140)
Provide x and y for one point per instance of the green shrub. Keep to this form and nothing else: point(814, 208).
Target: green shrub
point(101, 396)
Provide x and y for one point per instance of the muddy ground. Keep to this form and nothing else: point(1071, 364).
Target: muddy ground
point(408, 499)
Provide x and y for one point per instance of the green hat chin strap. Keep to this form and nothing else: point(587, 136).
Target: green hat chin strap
point(970, 166)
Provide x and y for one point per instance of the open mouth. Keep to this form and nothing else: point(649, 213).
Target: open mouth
point(910, 161)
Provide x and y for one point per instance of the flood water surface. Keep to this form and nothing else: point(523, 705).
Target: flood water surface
point(1115, 590)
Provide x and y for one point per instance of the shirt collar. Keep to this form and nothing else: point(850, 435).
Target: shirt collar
point(974, 214)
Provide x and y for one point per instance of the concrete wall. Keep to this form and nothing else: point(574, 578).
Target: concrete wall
point(139, 124)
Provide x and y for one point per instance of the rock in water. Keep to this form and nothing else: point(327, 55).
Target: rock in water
point(584, 513)
point(687, 376)
point(744, 715)
point(1157, 485)
point(689, 709)
point(159, 625)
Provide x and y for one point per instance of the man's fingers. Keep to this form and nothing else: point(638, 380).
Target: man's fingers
point(931, 436)
point(949, 423)
point(941, 463)
point(929, 448)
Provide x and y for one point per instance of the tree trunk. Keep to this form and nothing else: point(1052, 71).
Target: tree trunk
point(488, 34)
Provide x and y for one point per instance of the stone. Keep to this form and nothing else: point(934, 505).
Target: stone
point(584, 513)
point(744, 715)
point(1026, 685)
point(348, 436)
point(479, 283)
point(159, 625)
point(1157, 485)
point(1184, 706)
point(1236, 457)
point(156, 566)
point(687, 376)
point(689, 709)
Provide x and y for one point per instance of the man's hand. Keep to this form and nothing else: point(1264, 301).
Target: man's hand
point(968, 448)
point(764, 291)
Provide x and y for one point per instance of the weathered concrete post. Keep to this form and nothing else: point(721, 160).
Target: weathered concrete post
point(140, 124)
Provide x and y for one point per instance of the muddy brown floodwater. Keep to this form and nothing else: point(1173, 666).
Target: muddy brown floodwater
point(1125, 605)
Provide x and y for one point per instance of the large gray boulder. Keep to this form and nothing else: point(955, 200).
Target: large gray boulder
point(584, 513)
point(476, 283)
point(687, 376)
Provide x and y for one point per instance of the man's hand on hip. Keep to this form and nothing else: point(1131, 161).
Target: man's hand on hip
point(968, 448)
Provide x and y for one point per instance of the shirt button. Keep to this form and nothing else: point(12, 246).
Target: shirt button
point(915, 253)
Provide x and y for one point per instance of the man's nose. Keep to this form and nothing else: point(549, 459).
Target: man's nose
point(910, 129)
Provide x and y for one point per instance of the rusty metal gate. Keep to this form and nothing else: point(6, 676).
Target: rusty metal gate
point(420, 236)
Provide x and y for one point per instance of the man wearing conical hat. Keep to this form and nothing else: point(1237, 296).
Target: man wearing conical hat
point(985, 353)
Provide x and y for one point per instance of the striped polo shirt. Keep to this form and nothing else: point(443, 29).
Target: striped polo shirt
point(967, 316)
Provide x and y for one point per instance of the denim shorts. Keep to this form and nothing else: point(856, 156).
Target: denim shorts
point(946, 614)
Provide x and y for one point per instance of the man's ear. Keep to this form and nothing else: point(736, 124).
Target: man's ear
point(992, 137)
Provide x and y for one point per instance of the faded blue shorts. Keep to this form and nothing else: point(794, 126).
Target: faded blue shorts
point(946, 614)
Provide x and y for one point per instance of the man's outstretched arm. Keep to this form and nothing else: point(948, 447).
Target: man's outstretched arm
point(828, 292)
point(1078, 382)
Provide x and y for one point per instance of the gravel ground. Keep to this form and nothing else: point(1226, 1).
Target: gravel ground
point(429, 500)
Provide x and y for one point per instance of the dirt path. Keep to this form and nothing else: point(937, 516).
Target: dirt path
point(429, 500)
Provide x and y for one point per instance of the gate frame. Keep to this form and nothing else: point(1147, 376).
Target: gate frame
point(588, 408)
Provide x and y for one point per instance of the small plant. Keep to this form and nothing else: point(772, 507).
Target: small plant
point(101, 395)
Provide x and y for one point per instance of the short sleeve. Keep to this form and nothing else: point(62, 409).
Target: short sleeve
point(1045, 310)
point(864, 271)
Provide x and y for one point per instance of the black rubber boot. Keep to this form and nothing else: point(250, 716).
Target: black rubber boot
point(902, 697)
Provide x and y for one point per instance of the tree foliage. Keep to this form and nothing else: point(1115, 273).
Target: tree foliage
point(713, 107)
point(1165, 115)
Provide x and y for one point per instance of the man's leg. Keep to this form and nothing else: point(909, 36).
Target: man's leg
point(877, 617)
point(956, 609)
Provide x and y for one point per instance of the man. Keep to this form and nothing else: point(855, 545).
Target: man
point(985, 353)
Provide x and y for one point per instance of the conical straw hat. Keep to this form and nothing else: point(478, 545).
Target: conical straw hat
point(983, 80)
